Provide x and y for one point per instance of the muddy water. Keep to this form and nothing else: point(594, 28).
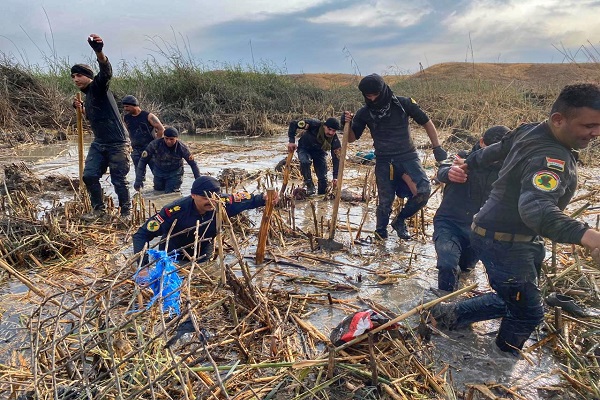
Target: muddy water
point(471, 353)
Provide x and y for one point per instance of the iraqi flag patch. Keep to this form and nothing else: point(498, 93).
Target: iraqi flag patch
point(555, 164)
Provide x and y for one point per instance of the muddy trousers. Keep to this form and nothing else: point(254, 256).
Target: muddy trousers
point(513, 269)
point(169, 181)
point(318, 160)
point(454, 252)
point(101, 157)
point(388, 175)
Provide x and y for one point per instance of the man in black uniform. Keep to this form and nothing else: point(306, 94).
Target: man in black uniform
point(143, 127)
point(199, 206)
point(317, 139)
point(110, 147)
point(387, 117)
point(167, 154)
point(453, 218)
point(536, 182)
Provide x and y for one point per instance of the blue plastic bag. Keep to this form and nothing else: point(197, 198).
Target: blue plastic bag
point(164, 272)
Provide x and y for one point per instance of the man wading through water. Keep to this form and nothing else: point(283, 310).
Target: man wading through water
point(387, 116)
point(536, 182)
point(318, 138)
point(110, 148)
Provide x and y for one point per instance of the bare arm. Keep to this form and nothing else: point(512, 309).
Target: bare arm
point(158, 126)
point(432, 133)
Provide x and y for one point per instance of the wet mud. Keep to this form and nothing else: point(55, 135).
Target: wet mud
point(467, 356)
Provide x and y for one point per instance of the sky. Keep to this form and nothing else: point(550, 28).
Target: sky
point(303, 36)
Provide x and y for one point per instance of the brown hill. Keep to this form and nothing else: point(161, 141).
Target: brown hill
point(522, 73)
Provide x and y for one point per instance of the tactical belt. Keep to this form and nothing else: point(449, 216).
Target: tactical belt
point(501, 236)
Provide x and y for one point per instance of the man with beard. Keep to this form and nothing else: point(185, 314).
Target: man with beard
point(463, 197)
point(179, 218)
point(143, 127)
point(387, 117)
point(110, 147)
point(536, 183)
point(318, 138)
point(167, 154)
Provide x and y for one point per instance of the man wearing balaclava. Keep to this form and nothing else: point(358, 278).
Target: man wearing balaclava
point(396, 158)
point(110, 148)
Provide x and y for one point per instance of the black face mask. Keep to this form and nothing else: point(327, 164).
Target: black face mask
point(380, 107)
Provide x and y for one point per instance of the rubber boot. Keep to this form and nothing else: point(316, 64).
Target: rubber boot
point(310, 188)
point(400, 227)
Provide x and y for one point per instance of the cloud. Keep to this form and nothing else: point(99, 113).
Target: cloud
point(377, 13)
point(517, 24)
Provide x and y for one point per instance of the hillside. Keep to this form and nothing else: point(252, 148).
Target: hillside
point(528, 74)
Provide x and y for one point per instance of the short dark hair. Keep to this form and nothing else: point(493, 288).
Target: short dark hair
point(577, 96)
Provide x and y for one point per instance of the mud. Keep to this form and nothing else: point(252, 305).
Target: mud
point(470, 354)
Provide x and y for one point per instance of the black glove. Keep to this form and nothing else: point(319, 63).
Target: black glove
point(439, 153)
point(96, 46)
point(138, 185)
point(343, 119)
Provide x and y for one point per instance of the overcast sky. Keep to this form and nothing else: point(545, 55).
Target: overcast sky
point(310, 36)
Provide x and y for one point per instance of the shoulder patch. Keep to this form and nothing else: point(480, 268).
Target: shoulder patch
point(170, 211)
point(555, 164)
point(239, 196)
point(413, 100)
point(144, 154)
point(546, 181)
point(153, 225)
point(159, 218)
point(301, 124)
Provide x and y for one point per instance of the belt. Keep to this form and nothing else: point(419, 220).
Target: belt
point(501, 236)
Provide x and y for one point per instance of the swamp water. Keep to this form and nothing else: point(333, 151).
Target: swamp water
point(471, 353)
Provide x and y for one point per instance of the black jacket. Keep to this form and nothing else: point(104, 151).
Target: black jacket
point(101, 109)
point(536, 183)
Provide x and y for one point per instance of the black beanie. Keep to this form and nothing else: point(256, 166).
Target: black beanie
point(170, 132)
point(371, 84)
point(82, 69)
point(205, 185)
point(494, 134)
point(130, 100)
point(332, 123)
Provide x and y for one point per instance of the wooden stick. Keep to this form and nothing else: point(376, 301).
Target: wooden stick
point(406, 315)
point(286, 173)
point(263, 233)
point(340, 181)
point(80, 141)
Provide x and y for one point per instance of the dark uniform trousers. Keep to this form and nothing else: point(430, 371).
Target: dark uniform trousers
point(169, 181)
point(101, 157)
point(316, 157)
point(513, 270)
point(454, 251)
point(387, 183)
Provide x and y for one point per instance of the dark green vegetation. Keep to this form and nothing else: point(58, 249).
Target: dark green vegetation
point(254, 101)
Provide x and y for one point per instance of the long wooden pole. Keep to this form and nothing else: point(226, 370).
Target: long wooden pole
point(340, 181)
point(263, 233)
point(80, 140)
point(406, 315)
point(286, 173)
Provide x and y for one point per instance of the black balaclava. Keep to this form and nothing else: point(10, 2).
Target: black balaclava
point(372, 84)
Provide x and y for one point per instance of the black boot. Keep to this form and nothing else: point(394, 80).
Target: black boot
point(322, 187)
point(400, 227)
point(310, 188)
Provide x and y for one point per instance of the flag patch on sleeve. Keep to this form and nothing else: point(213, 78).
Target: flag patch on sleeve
point(555, 164)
